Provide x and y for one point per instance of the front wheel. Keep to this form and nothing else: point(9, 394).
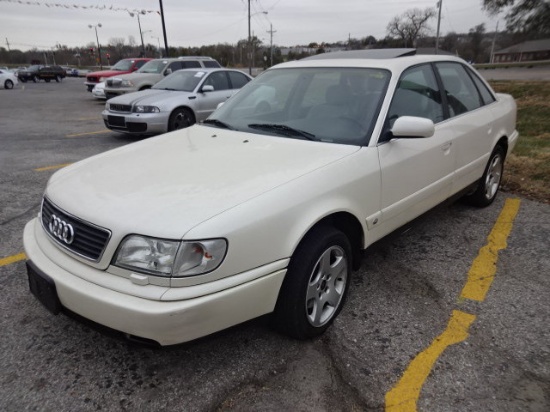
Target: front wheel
point(489, 184)
point(8, 84)
point(316, 284)
point(57, 78)
point(180, 119)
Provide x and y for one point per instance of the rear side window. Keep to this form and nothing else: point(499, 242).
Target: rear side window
point(486, 94)
point(417, 94)
point(238, 80)
point(462, 94)
point(211, 63)
point(190, 64)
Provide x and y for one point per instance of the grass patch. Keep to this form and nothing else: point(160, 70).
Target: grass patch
point(528, 167)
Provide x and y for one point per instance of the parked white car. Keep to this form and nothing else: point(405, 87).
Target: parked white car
point(7, 79)
point(267, 206)
point(98, 91)
point(177, 101)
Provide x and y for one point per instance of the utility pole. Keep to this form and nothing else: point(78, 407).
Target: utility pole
point(439, 3)
point(164, 30)
point(271, 31)
point(492, 45)
point(8, 43)
point(249, 45)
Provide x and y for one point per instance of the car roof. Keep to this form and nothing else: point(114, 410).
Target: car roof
point(395, 60)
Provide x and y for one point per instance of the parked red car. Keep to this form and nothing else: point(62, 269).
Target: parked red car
point(124, 66)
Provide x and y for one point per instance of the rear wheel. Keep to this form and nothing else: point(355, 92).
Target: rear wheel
point(180, 119)
point(316, 284)
point(8, 84)
point(489, 184)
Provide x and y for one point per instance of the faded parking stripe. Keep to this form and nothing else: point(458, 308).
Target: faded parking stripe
point(12, 259)
point(404, 395)
point(88, 133)
point(43, 169)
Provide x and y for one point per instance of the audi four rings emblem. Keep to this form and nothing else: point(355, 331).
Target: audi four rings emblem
point(61, 229)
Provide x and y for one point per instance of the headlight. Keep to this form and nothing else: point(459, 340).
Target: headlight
point(102, 79)
point(146, 109)
point(126, 83)
point(170, 258)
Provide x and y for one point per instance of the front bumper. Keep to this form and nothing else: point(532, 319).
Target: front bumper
point(136, 123)
point(166, 322)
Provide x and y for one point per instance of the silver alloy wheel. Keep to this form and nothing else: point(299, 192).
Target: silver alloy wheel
point(326, 286)
point(8, 84)
point(494, 174)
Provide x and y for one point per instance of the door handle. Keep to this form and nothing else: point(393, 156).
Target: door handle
point(446, 146)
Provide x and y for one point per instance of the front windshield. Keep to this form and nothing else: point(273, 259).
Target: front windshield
point(329, 104)
point(123, 66)
point(181, 80)
point(153, 66)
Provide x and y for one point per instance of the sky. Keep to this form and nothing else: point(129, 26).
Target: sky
point(28, 24)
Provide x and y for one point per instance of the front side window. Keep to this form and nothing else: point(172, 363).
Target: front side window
point(123, 65)
point(462, 95)
point(153, 66)
point(182, 80)
point(417, 94)
point(327, 104)
point(190, 64)
point(218, 80)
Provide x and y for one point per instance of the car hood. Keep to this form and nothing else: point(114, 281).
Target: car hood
point(165, 186)
point(148, 97)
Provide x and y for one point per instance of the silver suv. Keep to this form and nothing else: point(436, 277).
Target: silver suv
point(152, 72)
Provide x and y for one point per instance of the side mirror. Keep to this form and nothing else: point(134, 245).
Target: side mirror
point(410, 126)
point(207, 88)
point(168, 71)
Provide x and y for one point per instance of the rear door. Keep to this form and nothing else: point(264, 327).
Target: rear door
point(207, 102)
point(471, 119)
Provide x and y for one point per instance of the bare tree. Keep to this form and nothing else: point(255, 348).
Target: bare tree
point(530, 17)
point(411, 25)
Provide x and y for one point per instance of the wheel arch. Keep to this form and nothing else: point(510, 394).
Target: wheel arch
point(348, 224)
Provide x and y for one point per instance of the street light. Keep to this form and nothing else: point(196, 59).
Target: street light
point(137, 13)
point(95, 26)
point(249, 38)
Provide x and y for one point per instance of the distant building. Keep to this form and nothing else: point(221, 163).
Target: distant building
point(524, 52)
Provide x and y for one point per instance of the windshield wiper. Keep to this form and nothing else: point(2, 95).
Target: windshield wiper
point(218, 123)
point(283, 129)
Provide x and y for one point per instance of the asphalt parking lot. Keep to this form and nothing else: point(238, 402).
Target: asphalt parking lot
point(450, 315)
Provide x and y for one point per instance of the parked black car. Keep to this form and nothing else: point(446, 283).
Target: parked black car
point(39, 72)
point(48, 73)
point(30, 73)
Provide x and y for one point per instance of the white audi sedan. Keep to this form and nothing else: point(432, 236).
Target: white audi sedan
point(179, 100)
point(7, 79)
point(267, 205)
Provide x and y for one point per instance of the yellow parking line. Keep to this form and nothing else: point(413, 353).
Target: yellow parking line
point(88, 133)
point(12, 259)
point(43, 169)
point(405, 394)
point(482, 272)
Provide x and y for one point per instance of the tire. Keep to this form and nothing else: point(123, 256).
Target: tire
point(57, 78)
point(47, 80)
point(316, 284)
point(34, 79)
point(23, 80)
point(180, 119)
point(8, 84)
point(489, 184)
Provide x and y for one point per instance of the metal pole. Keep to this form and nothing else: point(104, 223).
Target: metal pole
point(492, 59)
point(164, 29)
point(438, 25)
point(249, 44)
point(141, 36)
point(98, 48)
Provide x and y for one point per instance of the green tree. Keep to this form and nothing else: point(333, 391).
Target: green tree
point(530, 17)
